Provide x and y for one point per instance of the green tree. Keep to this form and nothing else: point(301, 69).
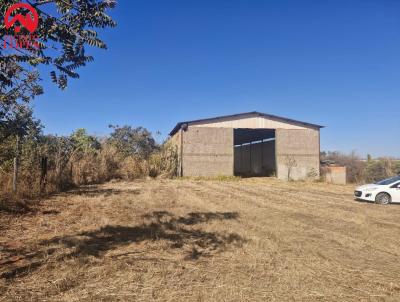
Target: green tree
point(63, 39)
point(133, 141)
point(84, 142)
point(23, 128)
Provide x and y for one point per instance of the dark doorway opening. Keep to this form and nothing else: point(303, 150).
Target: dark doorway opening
point(254, 152)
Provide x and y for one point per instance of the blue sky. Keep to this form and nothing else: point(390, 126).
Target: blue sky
point(335, 63)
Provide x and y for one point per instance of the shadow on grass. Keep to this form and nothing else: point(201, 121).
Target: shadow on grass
point(95, 191)
point(12, 206)
point(158, 226)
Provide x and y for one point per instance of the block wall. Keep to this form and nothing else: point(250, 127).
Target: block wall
point(297, 154)
point(207, 151)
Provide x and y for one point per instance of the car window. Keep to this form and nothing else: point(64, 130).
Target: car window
point(397, 185)
point(388, 181)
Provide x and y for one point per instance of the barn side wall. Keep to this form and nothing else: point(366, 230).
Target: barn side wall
point(297, 154)
point(207, 151)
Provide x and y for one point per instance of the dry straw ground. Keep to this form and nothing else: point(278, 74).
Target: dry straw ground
point(202, 240)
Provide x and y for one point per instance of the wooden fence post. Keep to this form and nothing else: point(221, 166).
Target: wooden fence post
point(15, 175)
point(43, 174)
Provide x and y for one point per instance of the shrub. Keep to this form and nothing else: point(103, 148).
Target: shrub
point(359, 171)
point(79, 159)
point(164, 163)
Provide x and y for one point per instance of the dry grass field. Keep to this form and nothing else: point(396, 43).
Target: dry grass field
point(202, 240)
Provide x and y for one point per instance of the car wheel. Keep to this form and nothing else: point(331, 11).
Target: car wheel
point(383, 198)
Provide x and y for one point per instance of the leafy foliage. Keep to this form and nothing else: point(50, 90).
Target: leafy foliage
point(84, 142)
point(65, 30)
point(132, 141)
point(19, 121)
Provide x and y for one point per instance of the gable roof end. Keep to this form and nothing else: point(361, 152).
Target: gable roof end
point(253, 113)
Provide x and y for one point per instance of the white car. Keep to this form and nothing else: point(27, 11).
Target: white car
point(383, 192)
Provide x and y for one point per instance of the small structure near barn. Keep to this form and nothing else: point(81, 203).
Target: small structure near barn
point(248, 144)
point(336, 175)
point(332, 173)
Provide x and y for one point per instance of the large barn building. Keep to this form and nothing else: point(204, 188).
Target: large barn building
point(248, 144)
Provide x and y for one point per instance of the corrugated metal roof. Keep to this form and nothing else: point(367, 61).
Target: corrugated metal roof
point(246, 114)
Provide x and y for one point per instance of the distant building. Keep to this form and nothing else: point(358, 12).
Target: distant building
point(248, 144)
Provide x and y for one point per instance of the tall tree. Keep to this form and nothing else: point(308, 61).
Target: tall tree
point(66, 28)
point(133, 141)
